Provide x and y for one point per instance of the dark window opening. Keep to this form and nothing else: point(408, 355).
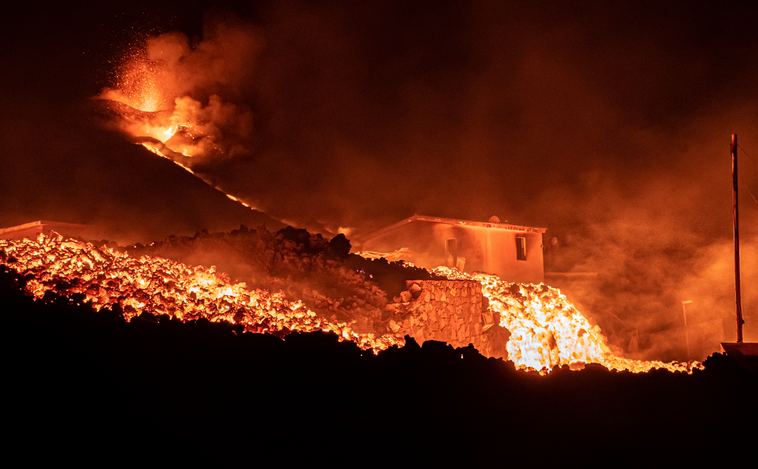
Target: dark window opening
point(451, 252)
point(521, 248)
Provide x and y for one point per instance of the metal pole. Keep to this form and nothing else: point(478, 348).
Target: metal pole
point(738, 297)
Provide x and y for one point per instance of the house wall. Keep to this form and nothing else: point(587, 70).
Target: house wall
point(489, 250)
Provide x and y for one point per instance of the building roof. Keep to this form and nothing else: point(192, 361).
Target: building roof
point(40, 226)
point(454, 221)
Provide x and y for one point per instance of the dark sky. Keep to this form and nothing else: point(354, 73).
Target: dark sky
point(606, 122)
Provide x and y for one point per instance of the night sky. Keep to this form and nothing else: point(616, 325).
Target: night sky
point(608, 123)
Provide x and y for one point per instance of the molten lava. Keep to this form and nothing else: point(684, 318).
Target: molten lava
point(107, 278)
point(546, 330)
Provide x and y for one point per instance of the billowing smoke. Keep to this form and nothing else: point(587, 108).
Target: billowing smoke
point(611, 132)
point(197, 91)
point(607, 123)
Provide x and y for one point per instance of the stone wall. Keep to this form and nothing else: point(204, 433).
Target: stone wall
point(452, 311)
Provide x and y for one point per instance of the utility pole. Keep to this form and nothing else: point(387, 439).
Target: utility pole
point(738, 296)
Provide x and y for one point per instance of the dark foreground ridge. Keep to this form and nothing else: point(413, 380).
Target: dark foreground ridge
point(76, 377)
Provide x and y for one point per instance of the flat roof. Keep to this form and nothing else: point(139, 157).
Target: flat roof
point(455, 221)
point(42, 224)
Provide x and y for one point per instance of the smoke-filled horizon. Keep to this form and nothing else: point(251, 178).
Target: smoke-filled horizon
point(608, 124)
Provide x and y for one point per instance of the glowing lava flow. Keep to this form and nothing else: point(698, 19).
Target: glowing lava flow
point(547, 330)
point(106, 278)
point(168, 134)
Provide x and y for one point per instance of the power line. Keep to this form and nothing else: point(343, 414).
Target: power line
point(749, 192)
point(743, 151)
point(743, 183)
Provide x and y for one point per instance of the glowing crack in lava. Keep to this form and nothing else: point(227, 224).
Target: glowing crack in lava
point(546, 330)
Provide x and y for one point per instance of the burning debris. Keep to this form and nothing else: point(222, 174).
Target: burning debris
point(316, 288)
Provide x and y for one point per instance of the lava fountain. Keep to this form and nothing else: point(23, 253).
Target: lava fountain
point(152, 105)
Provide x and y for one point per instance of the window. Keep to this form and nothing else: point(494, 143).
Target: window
point(451, 252)
point(520, 248)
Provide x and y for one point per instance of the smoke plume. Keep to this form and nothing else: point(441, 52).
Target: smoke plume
point(607, 123)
